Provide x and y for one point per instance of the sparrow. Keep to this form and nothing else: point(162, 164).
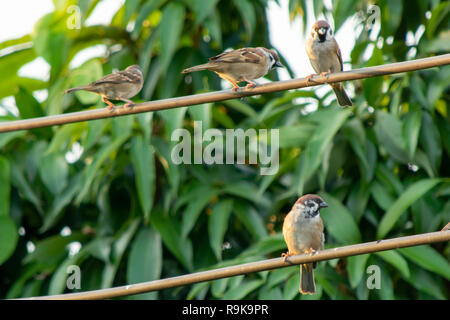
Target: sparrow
point(244, 64)
point(120, 85)
point(303, 233)
point(325, 57)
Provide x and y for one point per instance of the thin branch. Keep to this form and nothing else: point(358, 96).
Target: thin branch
point(171, 103)
point(258, 266)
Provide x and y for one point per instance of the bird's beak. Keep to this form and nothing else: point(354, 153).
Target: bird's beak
point(323, 204)
point(322, 31)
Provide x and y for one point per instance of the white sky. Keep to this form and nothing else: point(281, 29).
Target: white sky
point(17, 18)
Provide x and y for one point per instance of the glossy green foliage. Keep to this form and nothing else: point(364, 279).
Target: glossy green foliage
point(107, 197)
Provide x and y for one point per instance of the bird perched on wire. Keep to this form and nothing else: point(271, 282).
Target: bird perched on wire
point(120, 85)
point(303, 233)
point(325, 56)
point(244, 64)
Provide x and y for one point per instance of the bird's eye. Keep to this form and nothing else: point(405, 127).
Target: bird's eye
point(310, 204)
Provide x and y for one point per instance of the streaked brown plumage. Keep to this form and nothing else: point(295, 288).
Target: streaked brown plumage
point(244, 64)
point(303, 233)
point(325, 56)
point(121, 85)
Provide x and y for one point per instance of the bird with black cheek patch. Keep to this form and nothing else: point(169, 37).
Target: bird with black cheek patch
point(303, 233)
point(244, 64)
point(325, 56)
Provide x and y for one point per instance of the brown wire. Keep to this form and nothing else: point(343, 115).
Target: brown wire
point(258, 266)
point(225, 94)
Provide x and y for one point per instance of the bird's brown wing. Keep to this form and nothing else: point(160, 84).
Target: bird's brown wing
point(118, 77)
point(250, 55)
point(338, 53)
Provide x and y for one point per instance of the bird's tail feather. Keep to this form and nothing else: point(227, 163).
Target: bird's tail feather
point(77, 89)
point(197, 68)
point(341, 95)
point(307, 284)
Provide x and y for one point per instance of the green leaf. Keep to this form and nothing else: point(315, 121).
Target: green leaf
point(8, 238)
point(388, 129)
point(95, 129)
point(218, 224)
point(329, 122)
point(173, 119)
point(142, 157)
point(5, 186)
point(10, 86)
point(241, 107)
point(396, 260)
point(341, 12)
point(356, 268)
point(280, 275)
point(213, 25)
point(266, 293)
point(53, 249)
point(58, 282)
point(145, 260)
point(264, 246)
point(296, 136)
point(247, 12)
point(91, 171)
point(243, 290)
point(338, 221)
point(438, 14)
point(119, 246)
point(202, 8)
point(163, 150)
point(51, 42)
point(428, 258)
point(203, 196)
point(355, 133)
point(64, 136)
point(28, 106)
point(130, 8)
point(144, 11)
point(372, 87)
point(251, 220)
point(202, 112)
point(426, 282)
point(60, 202)
point(6, 137)
point(171, 25)
point(407, 198)
point(122, 126)
point(411, 129)
point(54, 172)
point(198, 291)
point(431, 141)
point(386, 291)
point(15, 42)
point(12, 62)
point(292, 285)
point(88, 72)
point(390, 17)
point(18, 180)
point(246, 190)
point(218, 287)
point(170, 231)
